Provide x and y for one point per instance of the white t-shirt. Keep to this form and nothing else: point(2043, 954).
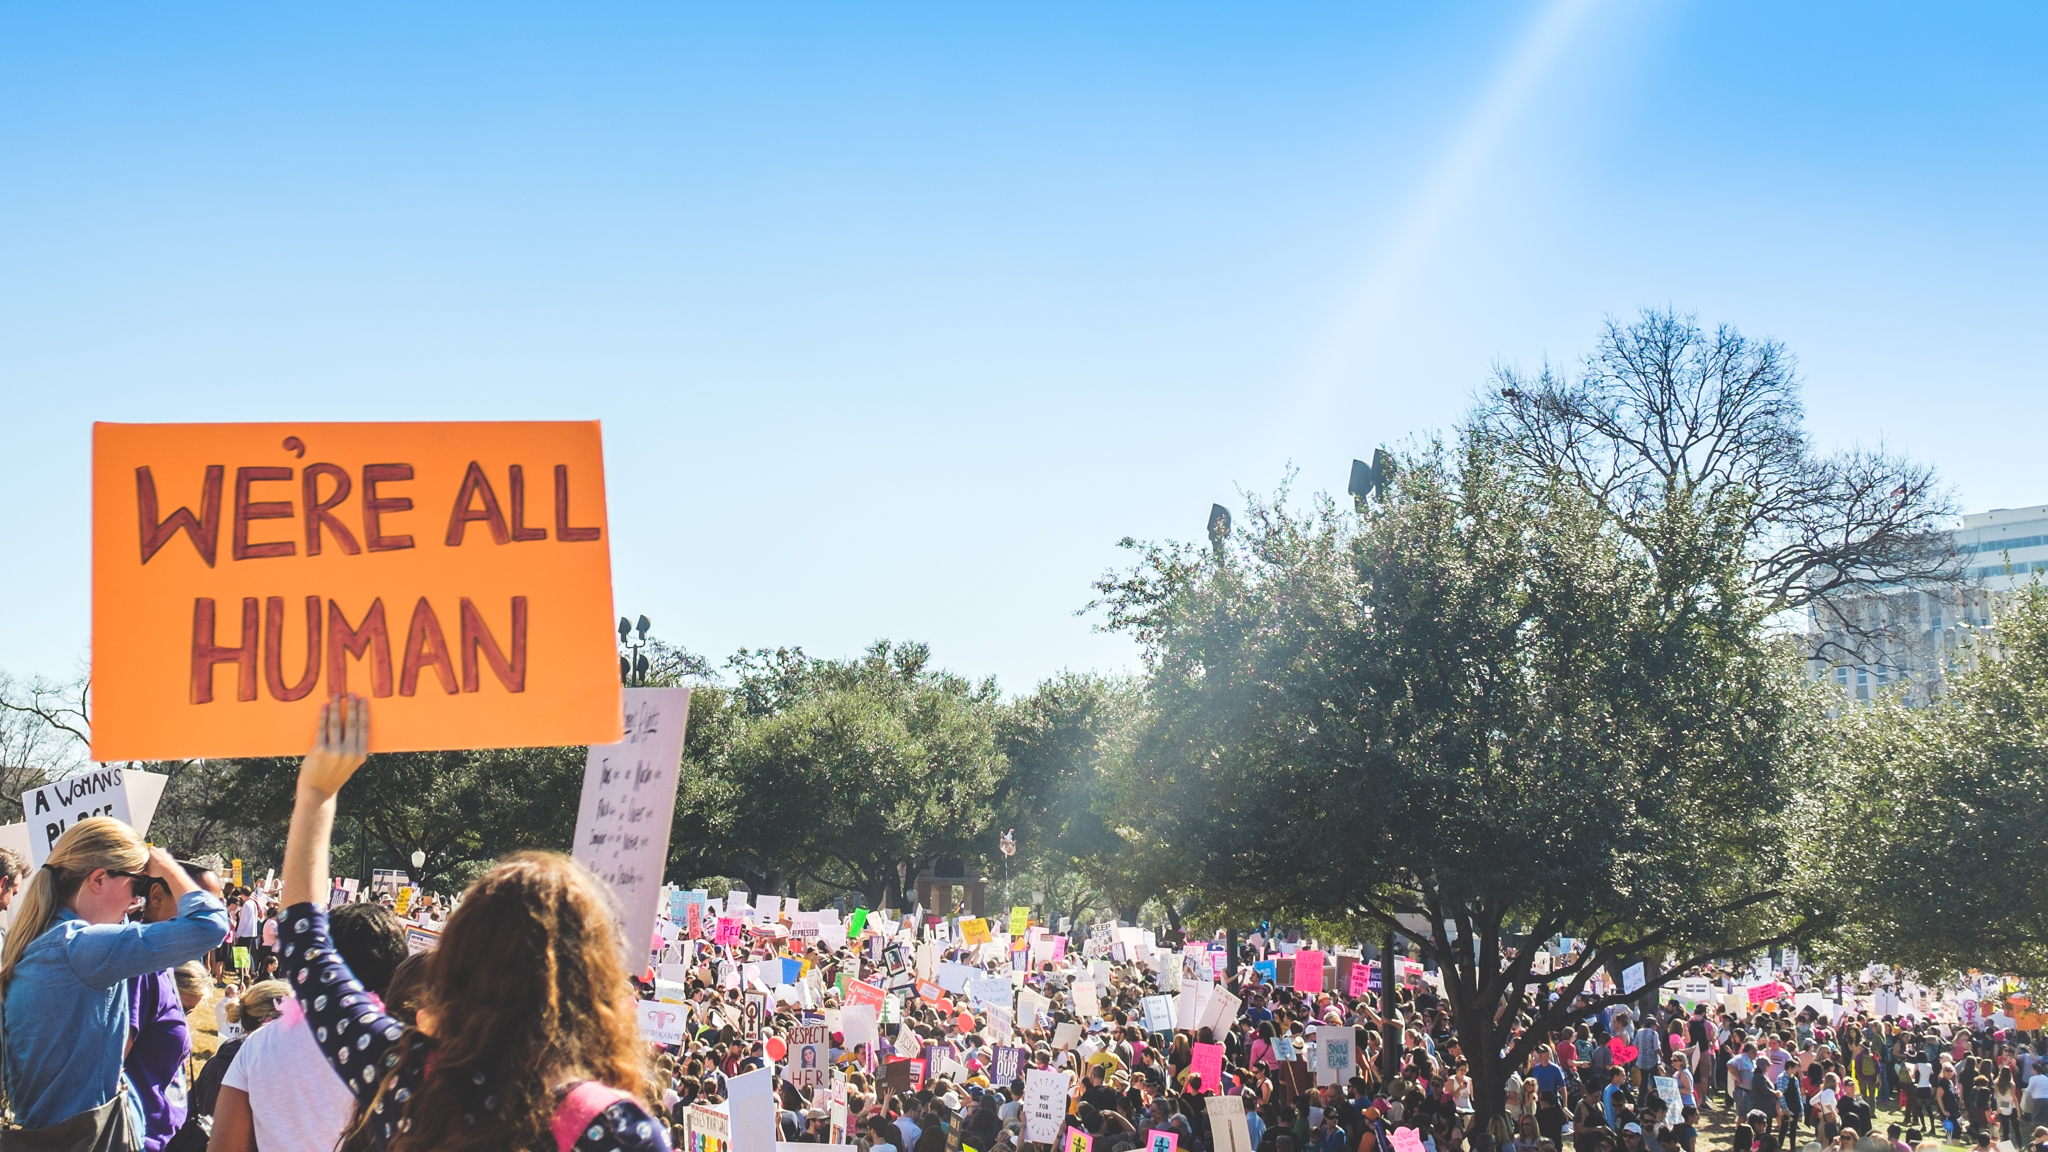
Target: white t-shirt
point(297, 1100)
point(2037, 1086)
point(248, 919)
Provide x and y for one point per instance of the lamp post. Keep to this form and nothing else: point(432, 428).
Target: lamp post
point(1008, 847)
point(633, 672)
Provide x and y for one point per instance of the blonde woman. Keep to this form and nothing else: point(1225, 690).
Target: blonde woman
point(258, 1006)
point(64, 972)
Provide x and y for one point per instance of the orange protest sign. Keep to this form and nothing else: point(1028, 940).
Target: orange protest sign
point(458, 574)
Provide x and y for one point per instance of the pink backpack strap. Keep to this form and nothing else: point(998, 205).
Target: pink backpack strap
point(577, 1109)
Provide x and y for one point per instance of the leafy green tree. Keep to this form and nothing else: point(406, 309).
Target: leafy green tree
point(835, 772)
point(1932, 818)
point(1482, 704)
point(1067, 748)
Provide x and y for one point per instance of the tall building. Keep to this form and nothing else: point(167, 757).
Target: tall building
point(1911, 641)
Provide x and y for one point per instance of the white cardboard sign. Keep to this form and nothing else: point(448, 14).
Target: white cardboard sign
point(629, 800)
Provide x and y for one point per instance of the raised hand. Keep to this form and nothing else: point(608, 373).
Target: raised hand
point(341, 746)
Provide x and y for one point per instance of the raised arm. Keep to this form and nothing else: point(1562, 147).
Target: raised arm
point(353, 1033)
point(341, 746)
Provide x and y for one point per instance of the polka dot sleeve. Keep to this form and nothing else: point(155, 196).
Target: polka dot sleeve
point(623, 1127)
point(355, 1035)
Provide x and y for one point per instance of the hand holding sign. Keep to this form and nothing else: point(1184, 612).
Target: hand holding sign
point(343, 743)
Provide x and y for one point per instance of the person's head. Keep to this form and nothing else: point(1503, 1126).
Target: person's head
point(370, 940)
point(192, 983)
point(401, 996)
point(528, 985)
point(93, 870)
point(259, 1005)
point(13, 870)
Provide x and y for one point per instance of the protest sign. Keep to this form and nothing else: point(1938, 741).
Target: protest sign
point(859, 1024)
point(974, 930)
point(1158, 1013)
point(1208, 1064)
point(750, 1101)
point(1227, 1127)
point(1407, 1140)
point(1632, 978)
point(418, 939)
point(1083, 994)
point(1161, 1140)
point(1008, 1064)
point(809, 1056)
point(53, 807)
point(994, 990)
point(244, 573)
point(662, 1023)
point(1674, 1104)
point(1362, 979)
point(629, 800)
point(1763, 992)
point(1194, 998)
point(1066, 1035)
point(707, 1128)
point(1219, 1012)
point(1078, 1140)
point(1308, 971)
point(1020, 917)
point(1336, 1054)
point(1045, 1104)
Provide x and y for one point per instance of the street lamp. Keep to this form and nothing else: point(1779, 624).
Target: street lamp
point(633, 672)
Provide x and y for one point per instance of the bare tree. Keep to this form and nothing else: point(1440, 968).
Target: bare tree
point(1677, 432)
point(44, 733)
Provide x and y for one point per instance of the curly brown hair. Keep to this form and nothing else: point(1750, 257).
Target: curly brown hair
point(528, 988)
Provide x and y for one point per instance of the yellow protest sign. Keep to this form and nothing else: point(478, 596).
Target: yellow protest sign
point(1020, 919)
point(974, 930)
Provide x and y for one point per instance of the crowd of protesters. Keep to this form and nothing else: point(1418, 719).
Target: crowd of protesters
point(521, 1029)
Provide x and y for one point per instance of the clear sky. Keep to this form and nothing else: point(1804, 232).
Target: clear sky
point(898, 317)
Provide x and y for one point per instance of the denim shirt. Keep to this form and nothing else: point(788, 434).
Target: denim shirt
point(67, 1009)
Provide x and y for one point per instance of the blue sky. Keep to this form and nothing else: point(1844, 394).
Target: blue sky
point(898, 317)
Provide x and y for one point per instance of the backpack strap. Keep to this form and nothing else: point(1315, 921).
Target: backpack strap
point(579, 1107)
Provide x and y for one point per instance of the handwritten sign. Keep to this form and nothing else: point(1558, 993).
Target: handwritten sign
point(1045, 1104)
point(1078, 1140)
point(809, 1056)
point(1407, 1140)
point(1227, 1122)
point(629, 800)
point(56, 806)
point(1336, 1054)
point(662, 1023)
point(243, 573)
point(1008, 1064)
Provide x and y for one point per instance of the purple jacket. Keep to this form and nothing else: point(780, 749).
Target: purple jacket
point(156, 1062)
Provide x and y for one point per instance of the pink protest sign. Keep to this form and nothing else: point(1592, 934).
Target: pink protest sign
point(1361, 979)
point(1407, 1140)
point(1763, 992)
point(1308, 971)
point(728, 931)
point(1078, 1140)
point(861, 992)
point(1208, 1064)
point(1059, 948)
point(1161, 1140)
